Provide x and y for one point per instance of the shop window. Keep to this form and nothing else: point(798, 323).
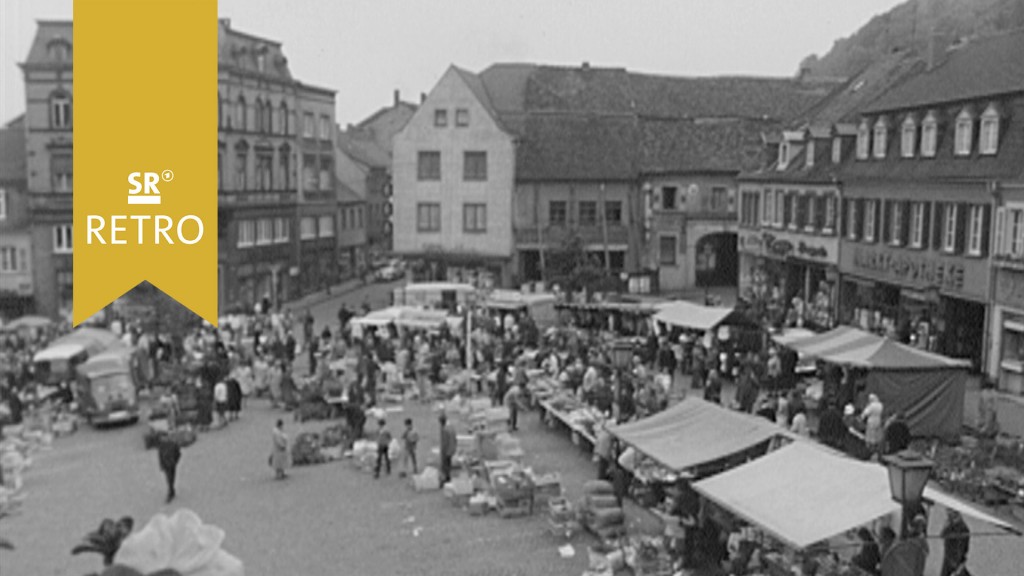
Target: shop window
point(557, 212)
point(667, 250)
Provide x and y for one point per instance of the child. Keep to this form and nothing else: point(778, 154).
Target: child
point(383, 444)
point(409, 440)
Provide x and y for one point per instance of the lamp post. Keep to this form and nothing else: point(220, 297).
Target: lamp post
point(908, 475)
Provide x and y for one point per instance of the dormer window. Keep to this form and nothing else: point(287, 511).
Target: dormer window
point(837, 150)
point(783, 155)
point(863, 140)
point(59, 50)
point(964, 135)
point(881, 134)
point(989, 134)
point(929, 135)
point(908, 137)
point(809, 162)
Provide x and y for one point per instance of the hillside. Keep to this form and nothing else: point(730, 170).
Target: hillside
point(909, 26)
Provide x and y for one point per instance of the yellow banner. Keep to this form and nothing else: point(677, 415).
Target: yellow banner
point(145, 151)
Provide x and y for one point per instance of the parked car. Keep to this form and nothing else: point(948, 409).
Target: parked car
point(393, 270)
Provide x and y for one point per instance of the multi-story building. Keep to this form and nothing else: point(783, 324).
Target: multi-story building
point(277, 200)
point(569, 150)
point(789, 233)
point(919, 197)
point(364, 165)
point(16, 295)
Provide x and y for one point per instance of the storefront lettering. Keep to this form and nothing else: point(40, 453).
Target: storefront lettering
point(812, 251)
point(781, 247)
point(911, 268)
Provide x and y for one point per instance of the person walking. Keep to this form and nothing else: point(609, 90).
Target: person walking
point(279, 457)
point(234, 404)
point(220, 399)
point(513, 400)
point(872, 417)
point(410, 438)
point(169, 454)
point(448, 445)
point(956, 541)
point(383, 444)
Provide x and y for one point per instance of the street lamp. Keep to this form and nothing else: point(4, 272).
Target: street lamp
point(908, 474)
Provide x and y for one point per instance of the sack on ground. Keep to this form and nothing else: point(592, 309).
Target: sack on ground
point(429, 479)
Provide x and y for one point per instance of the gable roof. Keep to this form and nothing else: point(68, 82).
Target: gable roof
point(983, 67)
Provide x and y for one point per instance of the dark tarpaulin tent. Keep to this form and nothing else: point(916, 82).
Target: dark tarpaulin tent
point(928, 388)
point(695, 432)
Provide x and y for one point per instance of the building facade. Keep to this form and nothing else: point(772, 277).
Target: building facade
point(1006, 363)
point(16, 293)
point(920, 214)
point(453, 176)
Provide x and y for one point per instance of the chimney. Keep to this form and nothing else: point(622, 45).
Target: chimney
point(585, 66)
point(398, 98)
point(423, 97)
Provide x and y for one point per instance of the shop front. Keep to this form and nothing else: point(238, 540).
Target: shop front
point(792, 278)
point(1008, 331)
point(931, 301)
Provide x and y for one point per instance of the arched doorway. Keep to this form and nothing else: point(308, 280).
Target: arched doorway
point(716, 262)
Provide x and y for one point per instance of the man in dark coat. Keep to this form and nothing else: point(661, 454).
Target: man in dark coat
point(449, 444)
point(168, 454)
point(234, 398)
point(956, 539)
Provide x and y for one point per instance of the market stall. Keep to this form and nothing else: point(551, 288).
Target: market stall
point(928, 388)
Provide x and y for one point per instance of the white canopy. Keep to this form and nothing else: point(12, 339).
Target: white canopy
point(686, 314)
point(803, 493)
point(59, 352)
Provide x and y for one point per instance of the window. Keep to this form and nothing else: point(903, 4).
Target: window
point(791, 209)
point(881, 138)
point(359, 216)
point(963, 135)
point(810, 220)
point(852, 218)
point(837, 150)
point(428, 217)
point(863, 140)
point(307, 227)
point(976, 230)
point(284, 175)
point(668, 197)
point(60, 111)
point(9, 260)
point(929, 135)
point(59, 50)
point(3, 204)
point(908, 137)
point(768, 217)
point(588, 212)
point(326, 169)
point(259, 116)
point(62, 239)
point(896, 223)
point(308, 125)
point(474, 166)
point(325, 127)
point(870, 219)
point(667, 250)
point(750, 208)
point(240, 113)
point(989, 137)
point(61, 165)
point(917, 224)
point(809, 155)
point(783, 159)
point(326, 226)
point(949, 228)
point(282, 122)
point(264, 231)
point(246, 233)
point(829, 224)
point(719, 199)
point(780, 208)
point(440, 118)
point(474, 218)
point(261, 62)
point(428, 165)
point(557, 212)
point(282, 230)
point(613, 212)
point(1015, 230)
point(461, 117)
point(241, 166)
point(264, 171)
point(310, 172)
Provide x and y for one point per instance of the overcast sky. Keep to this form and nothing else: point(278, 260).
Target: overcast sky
point(365, 49)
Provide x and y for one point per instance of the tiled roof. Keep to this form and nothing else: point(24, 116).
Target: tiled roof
point(983, 67)
point(675, 145)
point(363, 148)
point(47, 32)
point(725, 96)
point(1005, 164)
point(576, 147)
point(823, 171)
point(12, 150)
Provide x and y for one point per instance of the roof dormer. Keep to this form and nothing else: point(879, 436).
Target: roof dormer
point(880, 143)
point(929, 134)
point(988, 137)
point(963, 135)
point(908, 136)
point(863, 140)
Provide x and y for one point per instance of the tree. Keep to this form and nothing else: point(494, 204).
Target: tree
point(571, 267)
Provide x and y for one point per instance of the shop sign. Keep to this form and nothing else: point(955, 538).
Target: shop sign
point(811, 251)
point(1010, 288)
point(752, 242)
point(912, 268)
point(778, 247)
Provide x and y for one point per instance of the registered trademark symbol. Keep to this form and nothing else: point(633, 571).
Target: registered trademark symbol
point(167, 175)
